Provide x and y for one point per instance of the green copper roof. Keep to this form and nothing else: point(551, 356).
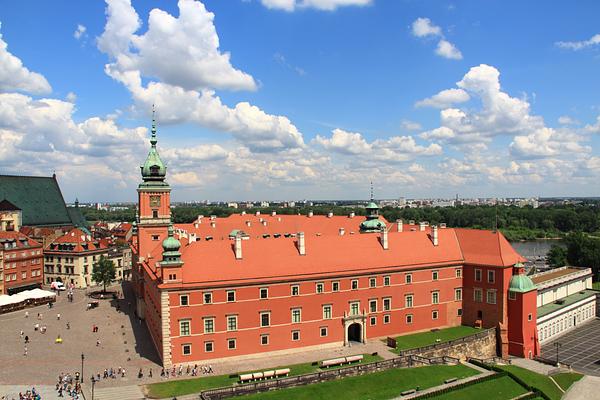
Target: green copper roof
point(372, 225)
point(38, 197)
point(77, 217)
point(521, 284)
point(372, 206)
point(565, 302)
point(170, 244)
point(153, 169)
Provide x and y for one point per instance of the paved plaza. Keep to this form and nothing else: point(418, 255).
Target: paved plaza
point(580, 348)
point(124, 342)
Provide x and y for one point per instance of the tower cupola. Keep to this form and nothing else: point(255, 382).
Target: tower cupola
point(153, 169)
point(372, 223)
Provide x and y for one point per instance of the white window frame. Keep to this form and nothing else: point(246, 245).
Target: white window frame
point(435, 275)
point(408, 278)
point(234, 318)
point(387, 280)
point(187, 300)
point(491, 273)
point(204, 323)
point(320, 287)
point(297, 290)
point(372, 282)
point(477, 272)
point(354, 284)
point(296, 315)
point(268, 313)
point(227, 296)
point(330, 307)
point(189, 327)
point(477, 299)
point(435, 297)
point(204, 294)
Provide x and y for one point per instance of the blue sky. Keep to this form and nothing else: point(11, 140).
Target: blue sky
point(284, 99)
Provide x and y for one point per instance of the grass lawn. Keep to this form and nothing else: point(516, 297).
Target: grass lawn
point(378, 385)
point(187, 386)
point(426, 338)
point(565, 380)
point(497, 389)
point(541, 382)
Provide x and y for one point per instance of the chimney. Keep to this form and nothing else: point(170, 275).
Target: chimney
point(196, 225)
point(248, 223)
point(238, 247)
point(411, 222)
point(192, 237)
point(273, 213)
point(301, 246)
point(384, 238)
point(257, 213)
point(351, 215)
point(264, 223)
point(443, 225)
point(243, 212)
point(434, 235)
point(310, 214)
point(329, 214)
point(342, 231)
point(422, 226)
point(213, 224)
point(400, 225)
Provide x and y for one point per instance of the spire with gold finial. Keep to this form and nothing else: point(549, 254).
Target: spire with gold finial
point(154, 170)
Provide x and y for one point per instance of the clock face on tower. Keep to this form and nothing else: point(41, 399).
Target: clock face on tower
point(154, 201)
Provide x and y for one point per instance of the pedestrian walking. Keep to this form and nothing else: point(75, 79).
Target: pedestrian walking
point(68, 325)
point(97, 342)
point(25, 351)
point(58, 316)
point(26, 339)
point(22, 333)
point(26, 314)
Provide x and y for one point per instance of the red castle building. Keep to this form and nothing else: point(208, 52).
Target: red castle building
point(206, 297)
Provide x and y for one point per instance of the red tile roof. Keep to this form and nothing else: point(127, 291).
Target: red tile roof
point(79, 241)
point(487, 248)
point(20, 239)
point(219, 228)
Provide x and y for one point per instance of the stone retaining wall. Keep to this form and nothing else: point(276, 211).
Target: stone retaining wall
point(479, 345)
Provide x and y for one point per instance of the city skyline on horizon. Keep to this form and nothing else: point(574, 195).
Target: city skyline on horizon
point(315, 101)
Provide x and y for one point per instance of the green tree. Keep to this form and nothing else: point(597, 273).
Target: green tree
point(557, 256)
point(104, 272)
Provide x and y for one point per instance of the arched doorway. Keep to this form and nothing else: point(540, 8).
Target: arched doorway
point(354, 333)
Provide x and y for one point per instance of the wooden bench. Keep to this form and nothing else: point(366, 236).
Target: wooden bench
point(333, 362)
point(407, 392)
point(258, 376)
point(282, 372)
point(450, 380)
point(351, 359)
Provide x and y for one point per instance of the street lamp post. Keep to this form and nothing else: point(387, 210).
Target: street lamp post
point(82, 359)
point(93, 384)
point(557, 345)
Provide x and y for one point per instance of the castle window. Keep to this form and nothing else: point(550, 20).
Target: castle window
point(231, 295)
point(435, 275)
point(435, 297)
point(323, 331)
point(459, 312)
point(295, 335)
point(477, 275)
point(207, 298)
point(265, 319)
point(184, 300)
point(386, 281)
point(232, 323)
point(295, 290)
point(231, 343)
point(264, 340)
point(372, 282)
point(320, 287)
point(491, 297)
point(408, 278)
point(477, 295)
point(434, 314)
point(512, 296)
point(296, 315)
point(209, 325)
point(327, 311)
point(186, 349)
point(409, 318)
point(373, 306)
point(208, 347)
point(264, 293)
point(373, 321)
point(491, 276)
point(335, 286)
point(354, 308)
point(387, 304)
point(154, 213)
point(184, 327)
point(354, 284)
point(458, 294)
point(458, 272)
point(154, 238)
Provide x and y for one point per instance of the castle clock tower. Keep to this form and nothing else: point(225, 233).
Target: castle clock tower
point(154, 205)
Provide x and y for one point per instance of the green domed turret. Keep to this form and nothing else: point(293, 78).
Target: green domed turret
point(153, 169)
point(171, 248)
point(520, 283)
point(372, 223)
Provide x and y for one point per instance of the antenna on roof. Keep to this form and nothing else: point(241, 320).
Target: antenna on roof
point(371, 189)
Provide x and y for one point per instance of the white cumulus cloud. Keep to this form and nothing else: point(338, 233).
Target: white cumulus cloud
point(422, 27)
point(444, 99)
point(425, 28)
point(79, 31)
point(448, 50)
point(15, 76)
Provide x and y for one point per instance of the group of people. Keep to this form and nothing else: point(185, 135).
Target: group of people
point(30, 394)
point(112, 373)
point(69, 386)
point(193, 371)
